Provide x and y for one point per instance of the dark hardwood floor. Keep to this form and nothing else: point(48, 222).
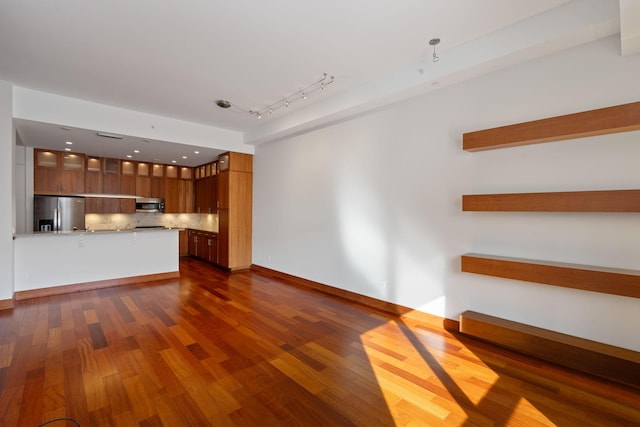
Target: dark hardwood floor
point(215, 349)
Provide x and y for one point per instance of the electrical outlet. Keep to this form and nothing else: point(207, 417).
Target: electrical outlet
point(81, 240)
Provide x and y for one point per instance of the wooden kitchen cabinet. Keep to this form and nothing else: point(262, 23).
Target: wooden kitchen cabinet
point(192, 243)
point(171, 190)
point(232, 161)
point(186, 172)
point(109, 176)
point(172, 195)
point(93, 185)
point(187, 196)
point(157, 181)
point(171, 171)
point(143, 180)
point(183, 242)
point(227, 188)
point(235, 197)
point(179, 192)
point(58, 172)
point(203, 245)
point(206, 187)
point(110, 184)
point(206, 190)
point(222, 193)
point(200, 190)
point(128, 186)
point(212, 248)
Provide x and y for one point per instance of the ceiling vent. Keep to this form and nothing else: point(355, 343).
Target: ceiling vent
point(109, 135)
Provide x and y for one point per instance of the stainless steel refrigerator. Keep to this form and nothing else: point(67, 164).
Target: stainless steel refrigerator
point(55, 214)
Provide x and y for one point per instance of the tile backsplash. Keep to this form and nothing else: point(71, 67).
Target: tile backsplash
point(207, 222)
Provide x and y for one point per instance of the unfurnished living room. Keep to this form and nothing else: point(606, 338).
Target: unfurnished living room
point(347, 213)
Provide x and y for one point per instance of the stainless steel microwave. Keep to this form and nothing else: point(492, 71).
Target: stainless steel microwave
point(150, 205)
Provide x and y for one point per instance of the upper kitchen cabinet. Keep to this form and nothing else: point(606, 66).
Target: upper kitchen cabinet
point(232, 161)
point(143, 180)
point(171, 171)
point(206, 170)
point(206, 188)
point(157, 180)
point(178, 189)
point(186, 172)
point(111, 184)
point(57, 172)
point(128, 186)
point(93, 185)
point(172, 189)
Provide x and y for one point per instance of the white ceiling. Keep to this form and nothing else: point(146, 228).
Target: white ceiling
point(175, 59)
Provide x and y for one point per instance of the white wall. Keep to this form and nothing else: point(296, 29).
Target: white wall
point(7, 222)
point(373, 204)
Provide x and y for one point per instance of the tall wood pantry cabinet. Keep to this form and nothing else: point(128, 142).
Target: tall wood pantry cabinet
point(234, 200)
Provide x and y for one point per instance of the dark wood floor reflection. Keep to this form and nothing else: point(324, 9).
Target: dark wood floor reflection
point(214, 349)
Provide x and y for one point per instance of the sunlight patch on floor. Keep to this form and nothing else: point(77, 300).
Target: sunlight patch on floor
point(397, 374)
point(422, 382)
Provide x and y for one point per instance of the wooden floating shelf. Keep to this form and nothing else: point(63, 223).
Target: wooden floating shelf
point(620, 118)
point(571, 201)
point(575, 276)
point(614, 363)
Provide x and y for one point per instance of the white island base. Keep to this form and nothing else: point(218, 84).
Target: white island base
point(54, 263)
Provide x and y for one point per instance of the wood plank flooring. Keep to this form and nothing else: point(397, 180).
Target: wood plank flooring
point(215, 349)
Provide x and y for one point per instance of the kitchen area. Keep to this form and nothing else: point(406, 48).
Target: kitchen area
point(99, 221)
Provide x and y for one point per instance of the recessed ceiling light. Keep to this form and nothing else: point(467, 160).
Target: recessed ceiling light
point(196, 152)
point(173, 161)
point(136, 151)
point(67, 149)
point(129, 156)
point(184, 157)
point(69, 143)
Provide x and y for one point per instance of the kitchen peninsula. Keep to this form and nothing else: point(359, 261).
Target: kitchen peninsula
point(54, 263)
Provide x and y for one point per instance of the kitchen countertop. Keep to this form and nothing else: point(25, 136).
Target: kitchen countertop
point(203, 230)
point(102, 231)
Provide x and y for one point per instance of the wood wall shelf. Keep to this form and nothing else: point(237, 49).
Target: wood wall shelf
point(571, 201)
point(620, 118)
point(615, 363)
point(613, 281)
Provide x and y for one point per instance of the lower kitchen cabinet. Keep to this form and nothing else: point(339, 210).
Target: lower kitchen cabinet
point(183, 243)
point(203, 245)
